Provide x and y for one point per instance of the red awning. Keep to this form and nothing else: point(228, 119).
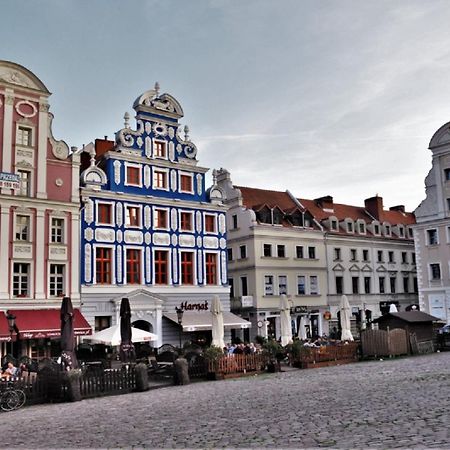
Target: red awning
point(46, 323)
point(4, 329)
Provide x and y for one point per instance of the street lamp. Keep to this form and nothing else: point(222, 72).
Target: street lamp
point(180, 313)
point(11, 318)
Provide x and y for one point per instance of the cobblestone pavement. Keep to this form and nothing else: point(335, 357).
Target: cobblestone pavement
point(378, 404)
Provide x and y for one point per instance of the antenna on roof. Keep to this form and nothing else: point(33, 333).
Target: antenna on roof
point(157, 89)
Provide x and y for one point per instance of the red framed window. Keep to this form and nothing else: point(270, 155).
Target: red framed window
point(104, 213)
point(186, 221)
point(160, 149)
point(210, 223)
point(133, 266)
point(134, 175)
point(161, 267)
point(160, 218)
point(160, 180)
point(187, 268)
point(133, 216)
point(211, 268)
point(186, 183)
point(103, 265)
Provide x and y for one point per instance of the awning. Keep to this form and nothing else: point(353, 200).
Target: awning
point(196, 321)
point(46, 323)
point(5, 335)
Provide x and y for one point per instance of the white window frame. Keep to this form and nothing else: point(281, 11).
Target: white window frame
point(154, 221)
point(315, 252)
point(154, 184)
point(218, 272)
point(124, 260)
point(191, 176)
point(375, 224)
point(30, 278)
point(272, 284)
point(32, 130)
point(191, 213)
point(30, 221)
point(427, 236)
point(304, 285)
point(360, 222)
point(194, 264)
point(285, 253)
point(387, 229)
point(64, 279)
point(113, 212)
point(246, 252)
point(271, 250)
point(351, 224)
point(303, 251)
point(430, 272)
point(240, 285)
point(401, 231)
point(334, 224)
point(230, 253)
point(215, 223)
point(29, 193)
point(134, 166)
point(161, 141)
point(278, 284)
point(113, 264)
point(169, 266)
point(64, 229)
point(310, 284)
point(139, 208)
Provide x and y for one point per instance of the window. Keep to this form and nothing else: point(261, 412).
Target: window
point(21, 280)
point(186, 221)
point(210, 223)
point(312, 252)
point(339, 285)
point(25, 183)
point(393, 283)
point(299, 251)
point(380, 255)
point(362, 227)
point(22, 228)
point(381, 285)
point(133, 266)
point(313, 285)
point(411, 233)
point(388, 230)
point(159, 179)
point(350, 227)
point(448, 203)
point(185, 183)
point(187, 268)
point(230, 254)
point(133, 176)
point(447, 174)
point(367, 285)
point(353, 254)
point(334, 225)
point(161, 267)
point(243, 251)
point(432, 237)
point(413, 258)
point(391, 257)
point(104, 213)
point(133, 216)
point(435, 272)
point(56, 280)
point(365, 255)
point(57, 230)
point(102, 322)
point(415, 285)
point(231, 284)
point(281, 251)
point(24, 136)
point(376, 229)
point(268, 285)
point(404, 258)
point(160, 218)
point(301, 285)
point(235, 221)
point(282, 284)
point(405, 285)
point(355, 285)
point(337, 254)
point(103, 265)
point(160, 149)
point(211, 268)
point(244, 286)
point(401, 232)
point(267, 250)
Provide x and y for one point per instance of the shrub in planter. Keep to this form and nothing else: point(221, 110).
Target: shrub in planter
point(72, 378)
point(275, 354)
point(212, 355)
point(141, 377)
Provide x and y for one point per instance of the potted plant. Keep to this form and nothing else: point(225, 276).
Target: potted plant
point(274, 352)
point(212, 355)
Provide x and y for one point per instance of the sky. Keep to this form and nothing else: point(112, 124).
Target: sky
point(318, 97)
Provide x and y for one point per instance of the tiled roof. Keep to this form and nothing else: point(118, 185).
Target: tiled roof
point(256, 198)
point(340, 211)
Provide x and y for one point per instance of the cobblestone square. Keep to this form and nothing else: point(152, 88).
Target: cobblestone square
point(401, 403)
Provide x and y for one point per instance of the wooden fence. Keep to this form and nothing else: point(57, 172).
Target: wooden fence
point(235, 365)
point(327, 355)
point(108, 382)
point(384, 342)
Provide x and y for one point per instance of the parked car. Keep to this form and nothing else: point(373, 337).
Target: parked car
point(445, 329)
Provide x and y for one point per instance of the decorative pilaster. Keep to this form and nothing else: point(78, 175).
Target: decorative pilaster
point(74, 262)
point(4, 251)
point(39, 266)
point(7, 135)
point(41, 172)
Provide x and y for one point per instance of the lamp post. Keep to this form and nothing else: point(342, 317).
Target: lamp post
point(11, 318)
point(180, 313)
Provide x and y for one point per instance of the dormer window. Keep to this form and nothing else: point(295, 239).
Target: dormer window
point(350, 227)
point(401, 231)
point(160, 149)
point(334, 225)
point(387, 230)
point(362, 228)
point(277, 216)
point(376, 229)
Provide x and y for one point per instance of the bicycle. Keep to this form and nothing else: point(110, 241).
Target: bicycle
point(12, 398)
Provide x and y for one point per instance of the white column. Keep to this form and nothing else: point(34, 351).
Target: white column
point(74, 263)
point(7, 135)
point(158, 330)
point(4, 252)
point(41, 172)
point(75, 177)
point(39, 263)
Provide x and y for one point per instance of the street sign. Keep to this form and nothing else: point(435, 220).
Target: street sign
point(9, 180)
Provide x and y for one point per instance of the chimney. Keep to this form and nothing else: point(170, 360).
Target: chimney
point(325, 202)
point(374, 206)
point(400, 208)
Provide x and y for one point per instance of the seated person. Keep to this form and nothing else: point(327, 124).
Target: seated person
point(10, 371)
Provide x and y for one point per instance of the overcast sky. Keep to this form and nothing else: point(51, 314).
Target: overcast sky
point(318, 97)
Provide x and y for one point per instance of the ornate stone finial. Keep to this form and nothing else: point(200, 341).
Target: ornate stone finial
point(186, 133)
point(126, 118)
point(214, 175)
point(157, 89)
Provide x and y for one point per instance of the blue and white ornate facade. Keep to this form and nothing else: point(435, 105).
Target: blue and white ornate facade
point(143, 199)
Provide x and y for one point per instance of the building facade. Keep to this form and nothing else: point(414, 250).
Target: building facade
point(150, 230)
point(39, 205)
point(432, 232)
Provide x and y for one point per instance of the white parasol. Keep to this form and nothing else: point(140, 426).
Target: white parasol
point(217, 323)
point(346, 334)
point(393, 308)
point(302, 329)
point(285, 320)
point(111, 336)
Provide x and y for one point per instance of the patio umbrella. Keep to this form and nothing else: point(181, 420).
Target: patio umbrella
point(302, 329)
point(285, 320)
point(111, 336)
point(68, 357)
point(126, 345)
point(346, 334)
point(393, 308)
point(217, 323)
